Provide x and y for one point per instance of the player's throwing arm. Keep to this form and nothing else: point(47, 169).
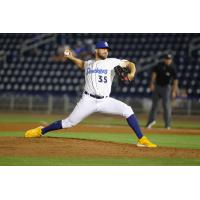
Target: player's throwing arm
point(69, 55)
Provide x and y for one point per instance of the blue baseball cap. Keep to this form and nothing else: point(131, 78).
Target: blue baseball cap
point(102, 45)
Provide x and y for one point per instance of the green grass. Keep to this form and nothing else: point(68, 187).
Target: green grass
point(179, 141)
point(167, 140)
point(66, 161)
point(101, 120)
point(21, 119)
point(159, 123)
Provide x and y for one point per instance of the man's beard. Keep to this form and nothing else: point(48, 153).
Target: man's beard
point(102, 57)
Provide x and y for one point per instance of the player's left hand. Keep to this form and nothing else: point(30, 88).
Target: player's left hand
point(124, 73)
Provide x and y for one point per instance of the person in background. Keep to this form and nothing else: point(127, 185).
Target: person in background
point(163, 85)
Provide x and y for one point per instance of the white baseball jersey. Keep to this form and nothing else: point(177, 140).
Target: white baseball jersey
point(99, 75)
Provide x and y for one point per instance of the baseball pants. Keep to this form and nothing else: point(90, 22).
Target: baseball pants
point(89, 105)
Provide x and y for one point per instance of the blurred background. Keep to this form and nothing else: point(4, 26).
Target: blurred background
point(35, 78)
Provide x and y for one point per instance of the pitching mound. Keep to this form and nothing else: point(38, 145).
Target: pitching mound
point(57, 147)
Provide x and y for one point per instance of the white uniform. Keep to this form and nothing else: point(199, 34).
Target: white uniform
point(98, 82)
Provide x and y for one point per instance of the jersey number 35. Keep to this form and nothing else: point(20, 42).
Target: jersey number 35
point(103, 79)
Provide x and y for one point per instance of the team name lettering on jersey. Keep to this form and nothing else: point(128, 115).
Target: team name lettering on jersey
point(99, 75)
point(98, 71)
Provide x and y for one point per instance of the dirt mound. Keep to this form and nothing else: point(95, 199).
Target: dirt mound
point(57, 147)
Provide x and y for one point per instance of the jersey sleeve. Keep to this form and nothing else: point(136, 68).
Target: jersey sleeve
point(116, 62)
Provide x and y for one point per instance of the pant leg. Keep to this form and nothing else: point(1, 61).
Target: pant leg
point(115, 107)
point(166, 102)
point(84, 108)
point(154, 107)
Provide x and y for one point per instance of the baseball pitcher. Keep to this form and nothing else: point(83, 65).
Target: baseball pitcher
point(99, 74)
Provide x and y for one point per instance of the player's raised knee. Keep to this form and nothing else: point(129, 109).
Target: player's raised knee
point(128, 111)
point(66, 123)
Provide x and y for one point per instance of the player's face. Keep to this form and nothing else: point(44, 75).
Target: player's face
point(102, 53)
point(168, 61)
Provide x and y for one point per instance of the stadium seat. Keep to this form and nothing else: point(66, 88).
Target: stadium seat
point(36, 72)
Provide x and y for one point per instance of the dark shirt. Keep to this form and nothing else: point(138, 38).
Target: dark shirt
point(164, 74)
